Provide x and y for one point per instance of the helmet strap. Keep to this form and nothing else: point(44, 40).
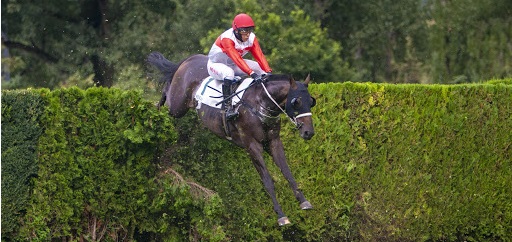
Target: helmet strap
point(237, 34)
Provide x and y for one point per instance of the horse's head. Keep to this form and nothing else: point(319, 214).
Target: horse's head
point(298, 107)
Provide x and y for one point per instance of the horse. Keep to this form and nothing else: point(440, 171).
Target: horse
point(257, 128)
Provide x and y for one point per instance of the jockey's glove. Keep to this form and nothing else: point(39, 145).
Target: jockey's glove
point(257, 78)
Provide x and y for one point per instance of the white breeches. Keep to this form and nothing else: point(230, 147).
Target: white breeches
point(221, 71)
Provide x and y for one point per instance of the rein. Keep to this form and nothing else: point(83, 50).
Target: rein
point(234, 94)
point(292, 119)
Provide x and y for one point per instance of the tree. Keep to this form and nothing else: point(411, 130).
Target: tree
point(440, 41)
point(470, 40)
point(55, 42)
point(381, 38)
point(299, 45)
point(87, 42)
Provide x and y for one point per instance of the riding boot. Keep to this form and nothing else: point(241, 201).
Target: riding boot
point(228, 105)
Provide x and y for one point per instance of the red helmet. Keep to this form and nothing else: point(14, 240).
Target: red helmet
point(242, 21)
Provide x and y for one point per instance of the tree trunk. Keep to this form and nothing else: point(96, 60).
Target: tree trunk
point(103, 72)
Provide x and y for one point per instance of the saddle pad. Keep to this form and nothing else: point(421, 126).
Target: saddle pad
point(210, 92)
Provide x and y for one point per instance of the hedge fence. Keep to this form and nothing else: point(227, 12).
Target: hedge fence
point(94, 171)
point(388, 162)
point(409, 162)
point(21, 117)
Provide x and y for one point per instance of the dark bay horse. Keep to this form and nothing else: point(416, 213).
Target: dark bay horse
point(257, 127)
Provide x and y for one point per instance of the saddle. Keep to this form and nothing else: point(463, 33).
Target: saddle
point(210, 92)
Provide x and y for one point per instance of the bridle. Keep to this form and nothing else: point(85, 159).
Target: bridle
point(294, 120)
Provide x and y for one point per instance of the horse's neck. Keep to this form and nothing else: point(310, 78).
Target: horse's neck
point(278, 90)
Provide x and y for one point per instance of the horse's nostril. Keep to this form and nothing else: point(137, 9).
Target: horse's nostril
point(308, 134)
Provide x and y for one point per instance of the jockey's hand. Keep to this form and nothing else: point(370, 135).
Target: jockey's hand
point(257, 78)
point(265, 76)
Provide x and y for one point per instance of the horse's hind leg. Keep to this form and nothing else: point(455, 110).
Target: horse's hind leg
point(164, 96)
point(162, 101)
point(255, 152)
point(276, 149)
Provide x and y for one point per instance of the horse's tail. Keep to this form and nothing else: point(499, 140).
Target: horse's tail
point(165, 66)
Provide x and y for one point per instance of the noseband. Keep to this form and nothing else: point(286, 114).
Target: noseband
point(298, 124)
point(294, 120)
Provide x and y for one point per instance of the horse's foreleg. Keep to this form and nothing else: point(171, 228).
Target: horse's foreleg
point(276, 149)
point(256, 153)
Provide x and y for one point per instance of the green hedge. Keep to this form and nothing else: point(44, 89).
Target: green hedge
point(387, 163)
point(21, 114)
point(408, 162)
point(97, 178)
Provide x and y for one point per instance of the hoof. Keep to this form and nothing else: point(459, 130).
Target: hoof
point(306, 205)
point(283, 221)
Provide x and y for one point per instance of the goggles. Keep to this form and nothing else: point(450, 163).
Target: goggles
point(245, 30)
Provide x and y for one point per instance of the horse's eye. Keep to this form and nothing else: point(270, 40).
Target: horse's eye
point(296, 102)
point(313, 101)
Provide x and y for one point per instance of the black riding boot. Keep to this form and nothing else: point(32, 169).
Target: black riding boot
point(227, 105)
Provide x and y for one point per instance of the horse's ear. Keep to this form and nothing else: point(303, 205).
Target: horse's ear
point(293, 84)
point(308, 78)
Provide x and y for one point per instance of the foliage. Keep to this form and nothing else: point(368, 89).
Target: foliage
point(475, 48)
point(407, 162)
point(226, 169)
point(388, 162)
point(21, 114)
point(151, 90)
point(54, 41)
point(298, 45)
point(507, 81)
point(381, 41)
point(96, 176)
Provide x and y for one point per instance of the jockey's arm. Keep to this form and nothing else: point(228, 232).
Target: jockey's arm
point(259, 56)
point(229, 48)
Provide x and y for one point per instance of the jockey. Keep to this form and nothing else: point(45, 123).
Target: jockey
point(225, 58)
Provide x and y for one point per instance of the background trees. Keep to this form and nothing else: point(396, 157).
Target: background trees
point(470, 40)
point(86, 42)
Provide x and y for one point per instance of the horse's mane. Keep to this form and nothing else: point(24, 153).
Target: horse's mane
point(279, 77)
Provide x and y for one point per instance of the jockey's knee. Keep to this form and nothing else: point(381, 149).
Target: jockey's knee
point(227, 81)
